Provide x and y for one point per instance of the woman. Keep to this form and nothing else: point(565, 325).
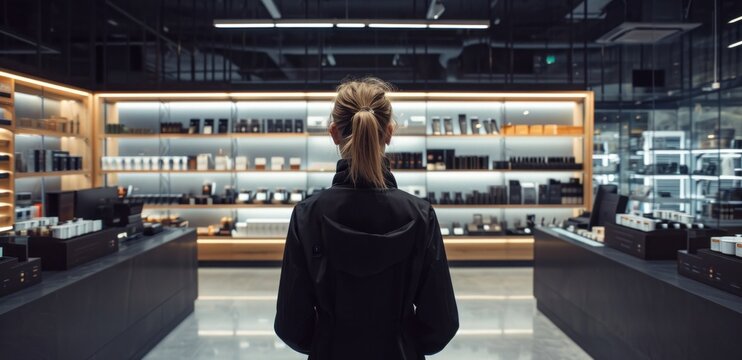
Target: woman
point(364, 269)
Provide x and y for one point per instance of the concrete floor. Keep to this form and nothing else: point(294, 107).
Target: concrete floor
point(234, 319)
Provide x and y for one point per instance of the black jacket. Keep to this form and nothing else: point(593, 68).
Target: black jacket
point(365, 276)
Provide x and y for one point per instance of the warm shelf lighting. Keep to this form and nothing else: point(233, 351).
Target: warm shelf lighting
point(735, 20)
point(44, 84)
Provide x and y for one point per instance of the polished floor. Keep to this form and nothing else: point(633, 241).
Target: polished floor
point(235, 309)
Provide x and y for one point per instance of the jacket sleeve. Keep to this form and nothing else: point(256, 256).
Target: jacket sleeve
point(436, 315)
point(295, 309)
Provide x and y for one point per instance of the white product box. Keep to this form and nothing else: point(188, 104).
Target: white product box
point(222, 163)
point(240, 163)
point(260, 163)
point(277, 163)
point(202, 162)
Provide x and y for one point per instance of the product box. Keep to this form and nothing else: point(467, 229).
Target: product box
point(550, 130)
point(536, 129)
point(58, 254)
point(508, 129)
point(660, 244)
point(521, 129)
point(277, 163)
point(260, 163)
point(241, 163)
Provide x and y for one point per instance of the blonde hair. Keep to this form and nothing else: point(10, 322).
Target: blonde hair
point(362, 114)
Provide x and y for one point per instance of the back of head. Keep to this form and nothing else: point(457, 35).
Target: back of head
point(363, 115)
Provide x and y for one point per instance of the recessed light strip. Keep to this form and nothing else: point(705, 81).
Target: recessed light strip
point(44, 84)
point(738, 43)
point(351, 24)
point(735, 20)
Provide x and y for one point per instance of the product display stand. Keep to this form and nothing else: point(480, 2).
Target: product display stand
point(616, 306)
point(116, 307)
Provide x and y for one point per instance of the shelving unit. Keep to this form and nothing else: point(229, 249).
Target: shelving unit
point(51, 105)
point(318, 155)
point(7, 146)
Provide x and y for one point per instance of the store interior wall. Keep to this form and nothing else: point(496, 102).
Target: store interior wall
point(687, 81)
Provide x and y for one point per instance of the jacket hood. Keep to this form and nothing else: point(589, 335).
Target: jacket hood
point(363, 254)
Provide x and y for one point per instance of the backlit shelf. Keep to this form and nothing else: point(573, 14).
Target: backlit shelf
point(49, 133)
point(21, 175)
point(216, 206)
point(206, 136)
point(508, 206)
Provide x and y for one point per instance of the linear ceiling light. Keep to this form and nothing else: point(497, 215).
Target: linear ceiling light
point(304, 25)
point(243, 24)
point(398, 25)
point(459, 25)
point(357, 24)
point(738, 43)
point(351, 25)
point(735, 20)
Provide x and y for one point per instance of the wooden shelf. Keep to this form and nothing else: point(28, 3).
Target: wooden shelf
point(497, 248)
point(508, 206)
point(217, 206)
point(157, 172)
point(207, 136)
point(330, 171)
point(41, 132)
point(21, 175)
point(438, 206)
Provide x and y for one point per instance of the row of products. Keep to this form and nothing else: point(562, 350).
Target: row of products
point(538, 163)
point(488, 225)
point(225, 227)
point(473, 126)
point(262, 228)
point(209, 196)
point(405, 160)
point(446, 159)
point(58, 124)
point(551, 129)
point(201, 162)
point(646, 223)
point(729, 245)
point(41, 160)
point(50, 227)
point(663, 169)
point(553, 193)
point(123, 129)
point(221, 126)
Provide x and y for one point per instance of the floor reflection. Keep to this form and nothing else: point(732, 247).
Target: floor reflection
point(234, 319)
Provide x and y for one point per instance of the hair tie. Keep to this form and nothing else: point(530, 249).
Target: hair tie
point(366, 108)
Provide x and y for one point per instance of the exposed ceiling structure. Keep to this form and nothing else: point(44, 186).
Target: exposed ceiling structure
point(173, 43)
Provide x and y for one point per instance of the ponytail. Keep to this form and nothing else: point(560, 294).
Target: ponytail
point(363, 113)
point(366, 150)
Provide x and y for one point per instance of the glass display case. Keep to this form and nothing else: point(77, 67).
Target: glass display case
point(233, 165)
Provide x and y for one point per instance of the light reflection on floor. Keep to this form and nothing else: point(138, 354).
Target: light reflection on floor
point(234, 319)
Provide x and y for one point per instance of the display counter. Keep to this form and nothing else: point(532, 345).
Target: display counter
point(616, 306)
point(116, 307)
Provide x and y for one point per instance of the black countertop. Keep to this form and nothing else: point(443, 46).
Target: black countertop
point(665, 270)
point(55, 280)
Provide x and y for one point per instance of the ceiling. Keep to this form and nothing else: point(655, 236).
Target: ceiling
point(146, 44)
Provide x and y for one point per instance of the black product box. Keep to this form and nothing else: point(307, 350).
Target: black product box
point(194, 126)
point(555, 193)
point(209, 126)
point(223, 126)
point(515, 196)
point(278, 127)
point(59, 254)
point(299, 126)
point(543, 194)
point(255, 126)
point(61, 204)
point(660, 244)
point(17, 275)
point(712, 268)
point(269, 126)
point(449, 157)
point(288, 126)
